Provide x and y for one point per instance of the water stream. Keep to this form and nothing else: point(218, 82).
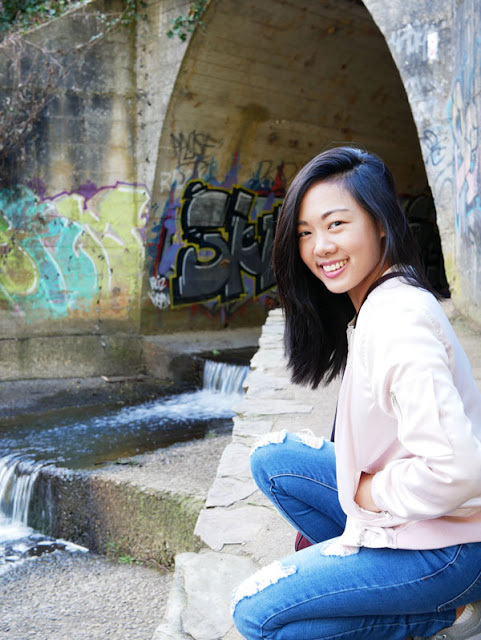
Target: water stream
point(82, 438)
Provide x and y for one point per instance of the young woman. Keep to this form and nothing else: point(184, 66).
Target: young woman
point(393, 508)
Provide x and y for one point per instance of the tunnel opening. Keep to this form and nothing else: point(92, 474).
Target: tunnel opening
point(263, 89)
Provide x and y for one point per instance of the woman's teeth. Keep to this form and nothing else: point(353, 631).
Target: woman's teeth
point(334, 266)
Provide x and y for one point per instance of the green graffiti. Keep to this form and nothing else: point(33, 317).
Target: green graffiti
point(69, 255)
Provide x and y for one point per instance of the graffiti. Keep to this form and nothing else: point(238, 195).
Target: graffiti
point(213, 244)
point(159, 293)
point(465, 114)
point(68, 254)
point(417, 42)
point(222, 244)
point(263, 182)
point(436, 150)
point(192, 150)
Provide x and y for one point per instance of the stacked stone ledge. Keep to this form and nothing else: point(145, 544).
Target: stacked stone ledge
point(241, 529)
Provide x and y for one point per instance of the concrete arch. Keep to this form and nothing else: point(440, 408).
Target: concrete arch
point(262, 89)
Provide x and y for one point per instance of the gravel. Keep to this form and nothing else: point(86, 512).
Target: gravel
point(80, 596)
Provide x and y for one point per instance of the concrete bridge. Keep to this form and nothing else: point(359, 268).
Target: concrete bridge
point(144, 201)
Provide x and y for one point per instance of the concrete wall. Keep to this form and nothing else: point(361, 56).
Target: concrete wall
point(437, 48)
point(73, 222)
point(147, 201)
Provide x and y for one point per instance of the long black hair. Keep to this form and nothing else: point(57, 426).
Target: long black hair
point(316, 319)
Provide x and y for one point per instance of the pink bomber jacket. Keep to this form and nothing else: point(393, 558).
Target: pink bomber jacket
point(409, 411)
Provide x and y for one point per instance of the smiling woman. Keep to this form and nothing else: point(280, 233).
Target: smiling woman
point(390, 513)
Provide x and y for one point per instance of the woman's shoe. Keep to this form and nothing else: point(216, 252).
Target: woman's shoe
point(469, 629)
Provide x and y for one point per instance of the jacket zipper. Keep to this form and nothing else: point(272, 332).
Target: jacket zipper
point(395, 404)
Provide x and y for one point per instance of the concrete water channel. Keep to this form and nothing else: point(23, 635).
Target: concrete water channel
point(56, 477)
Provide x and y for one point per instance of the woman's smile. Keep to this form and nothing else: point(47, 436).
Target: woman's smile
point(333, 269)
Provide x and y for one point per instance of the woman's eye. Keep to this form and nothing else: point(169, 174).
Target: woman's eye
point(302, 234)
point(336, 223)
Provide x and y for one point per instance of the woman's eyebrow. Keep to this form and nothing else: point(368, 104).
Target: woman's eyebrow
point(326, 214)
point(331, 211)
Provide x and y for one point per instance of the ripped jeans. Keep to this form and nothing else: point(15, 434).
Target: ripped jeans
point(375, 594)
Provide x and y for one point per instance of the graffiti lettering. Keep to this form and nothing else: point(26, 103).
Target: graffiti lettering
point(418, 41)
point(464, 114)
point(191, 150)
point(222, 244)
point(436, 150)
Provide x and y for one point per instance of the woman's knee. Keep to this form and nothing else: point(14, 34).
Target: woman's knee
point(255, 598)
point(283, 452)
point(264, 459)
point(244, 622)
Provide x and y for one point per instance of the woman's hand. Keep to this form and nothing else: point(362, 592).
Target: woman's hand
point(364, 495)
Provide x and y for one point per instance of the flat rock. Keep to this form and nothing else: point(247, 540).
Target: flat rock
point(234, 461)
point(227, 491)
point(218, 526)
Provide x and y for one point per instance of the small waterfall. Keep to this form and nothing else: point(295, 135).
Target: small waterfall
point(63, 443)
point(225, 378)
point(17, 480)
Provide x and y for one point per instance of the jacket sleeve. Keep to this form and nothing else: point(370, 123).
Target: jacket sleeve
point(412, 379)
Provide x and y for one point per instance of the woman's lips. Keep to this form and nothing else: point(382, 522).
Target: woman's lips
point(333, 269)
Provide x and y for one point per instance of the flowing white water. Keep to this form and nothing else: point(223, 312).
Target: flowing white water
point(17, 479)
point(30, 447)
point(224, 378)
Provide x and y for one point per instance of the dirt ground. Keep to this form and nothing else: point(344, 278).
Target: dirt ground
point(64, 596)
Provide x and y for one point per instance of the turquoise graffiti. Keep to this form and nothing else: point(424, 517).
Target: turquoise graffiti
point(74, 253)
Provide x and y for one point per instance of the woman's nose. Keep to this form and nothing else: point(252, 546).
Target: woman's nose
point(323, 245)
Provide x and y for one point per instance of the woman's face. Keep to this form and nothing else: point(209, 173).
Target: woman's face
point(339, 241)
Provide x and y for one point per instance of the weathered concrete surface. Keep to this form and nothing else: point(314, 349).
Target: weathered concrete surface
point(105, 516)
point(238, 523)
point(35, 357)
point(121, 355)
point(88, 597)
point(437, 49)
point(170, 355)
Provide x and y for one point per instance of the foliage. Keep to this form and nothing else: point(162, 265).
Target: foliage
point(24, 104)
point(183, 25)
point(20, 15)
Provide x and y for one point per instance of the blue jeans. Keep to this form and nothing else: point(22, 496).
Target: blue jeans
point(376, 594)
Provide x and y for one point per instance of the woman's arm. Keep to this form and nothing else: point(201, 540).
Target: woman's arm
point(364, 494)
point(411, 368)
